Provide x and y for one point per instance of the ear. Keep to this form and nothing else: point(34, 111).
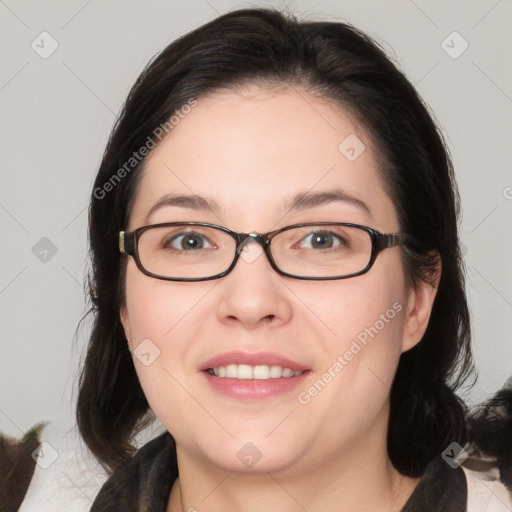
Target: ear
point(123, 315)
point(419, 306)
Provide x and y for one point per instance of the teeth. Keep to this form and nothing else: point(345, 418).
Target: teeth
point(261, 372)
point(258, 372)
point(276, 372)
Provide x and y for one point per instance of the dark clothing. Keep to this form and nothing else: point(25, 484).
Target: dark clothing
point(144, 483)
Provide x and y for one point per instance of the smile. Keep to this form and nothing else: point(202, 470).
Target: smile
point(258, 372)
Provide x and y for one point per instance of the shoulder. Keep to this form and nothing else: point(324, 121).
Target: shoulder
point(485, 491)
point(474, 486)
point(144, 482)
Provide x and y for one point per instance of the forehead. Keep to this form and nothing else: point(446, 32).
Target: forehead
point(252, 149)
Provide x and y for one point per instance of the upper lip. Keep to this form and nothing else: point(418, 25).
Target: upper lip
point(253, 359)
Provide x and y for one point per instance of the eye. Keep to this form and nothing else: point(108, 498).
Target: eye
point(187, 242)
point(321, 240)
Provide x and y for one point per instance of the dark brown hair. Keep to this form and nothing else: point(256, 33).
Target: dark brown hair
point(335, 61)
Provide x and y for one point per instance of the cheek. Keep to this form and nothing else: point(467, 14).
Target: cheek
point(366, 308)
point(160, 316)
point(156, 308)
point(363, 322)
point(359, 360)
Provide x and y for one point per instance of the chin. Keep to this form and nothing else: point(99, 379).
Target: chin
point(254, 454)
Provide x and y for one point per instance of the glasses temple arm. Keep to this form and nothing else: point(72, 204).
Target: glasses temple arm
point(394, 239)
point(126, 242)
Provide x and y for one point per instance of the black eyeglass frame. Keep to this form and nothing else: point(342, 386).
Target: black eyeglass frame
point(129, 243)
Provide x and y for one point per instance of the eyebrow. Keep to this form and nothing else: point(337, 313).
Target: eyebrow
point(193, 202)
point(306, 200)
point(301, 201)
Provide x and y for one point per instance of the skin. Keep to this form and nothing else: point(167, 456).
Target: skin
point(250, 150)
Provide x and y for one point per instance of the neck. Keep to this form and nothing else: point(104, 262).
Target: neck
point(360, 477)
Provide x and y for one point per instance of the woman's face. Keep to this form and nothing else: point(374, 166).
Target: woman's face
point(250, 154)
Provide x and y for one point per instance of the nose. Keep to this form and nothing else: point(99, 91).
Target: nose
point(253, 294)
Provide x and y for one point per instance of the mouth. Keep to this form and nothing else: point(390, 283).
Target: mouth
point(246, 376)
point(258, 372)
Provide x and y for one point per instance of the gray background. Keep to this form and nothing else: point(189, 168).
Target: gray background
point(57, 112)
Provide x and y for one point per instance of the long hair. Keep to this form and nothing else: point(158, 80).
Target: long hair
point(331, 60)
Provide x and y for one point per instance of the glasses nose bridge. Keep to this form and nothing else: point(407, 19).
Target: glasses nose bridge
point(259, 238)
point(262, 239)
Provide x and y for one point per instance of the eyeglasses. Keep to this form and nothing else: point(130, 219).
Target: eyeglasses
point(198, 251)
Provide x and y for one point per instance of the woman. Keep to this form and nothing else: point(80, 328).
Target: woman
point(277, 278)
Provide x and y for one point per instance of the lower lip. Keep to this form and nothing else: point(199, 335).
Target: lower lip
point(254, 389)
